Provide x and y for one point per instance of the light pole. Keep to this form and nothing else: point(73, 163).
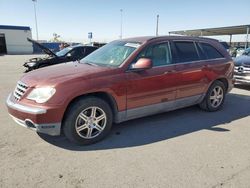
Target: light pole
point(157, 24)
point(121, 24)
point(35, 18)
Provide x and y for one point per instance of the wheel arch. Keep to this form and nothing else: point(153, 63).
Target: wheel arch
point(102, 95)
point(223, 80)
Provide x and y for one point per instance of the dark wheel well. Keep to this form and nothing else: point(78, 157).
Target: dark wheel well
point(102, 95)
point(225, 82)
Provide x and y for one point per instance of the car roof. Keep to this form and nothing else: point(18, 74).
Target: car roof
point(153, 38)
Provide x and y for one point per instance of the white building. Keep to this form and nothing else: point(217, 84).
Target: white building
point(13, 40)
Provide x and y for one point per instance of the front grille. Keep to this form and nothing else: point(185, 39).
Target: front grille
point(242, 69)
point(20, 90)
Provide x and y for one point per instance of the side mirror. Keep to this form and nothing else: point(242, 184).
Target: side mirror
point(142, 64)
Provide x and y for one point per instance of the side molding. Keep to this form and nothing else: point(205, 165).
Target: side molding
point(158, 108)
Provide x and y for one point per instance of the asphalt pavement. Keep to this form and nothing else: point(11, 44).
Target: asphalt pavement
point(182, 148)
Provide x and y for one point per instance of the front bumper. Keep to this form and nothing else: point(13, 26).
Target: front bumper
point(29, 117)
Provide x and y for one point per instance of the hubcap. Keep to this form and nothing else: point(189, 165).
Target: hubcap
point(216, 96)
point(90, 122)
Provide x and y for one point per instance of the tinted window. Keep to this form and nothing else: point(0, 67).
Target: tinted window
point(185, 51)
point(226, 46)
point(210, 51)
point(159, 54)
point(76, 53)
point(89, 50)
point(202, 54)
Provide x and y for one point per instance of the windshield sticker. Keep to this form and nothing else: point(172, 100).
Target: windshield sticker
point(132, 45)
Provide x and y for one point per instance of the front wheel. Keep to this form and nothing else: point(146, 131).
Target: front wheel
point(214, 98)
point(87, 121)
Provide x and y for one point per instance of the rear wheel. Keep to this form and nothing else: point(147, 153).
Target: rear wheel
point(214, 98)
point(87, 121)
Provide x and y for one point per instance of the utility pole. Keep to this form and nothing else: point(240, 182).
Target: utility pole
point(246, 45)
point(157, 24)
point(121, 24)
point(35, 18)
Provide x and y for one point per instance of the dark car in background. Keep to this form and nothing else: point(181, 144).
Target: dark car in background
point(242, 68)
point(71, 53)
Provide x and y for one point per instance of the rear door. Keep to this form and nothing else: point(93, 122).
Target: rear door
point(191, 82)
point(147, 89)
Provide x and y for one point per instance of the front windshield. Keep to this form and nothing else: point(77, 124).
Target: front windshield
point(63, 51)
point(112, 54)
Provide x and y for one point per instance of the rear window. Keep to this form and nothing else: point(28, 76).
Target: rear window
point(210, 51)
point(185, 51)
point(226, 46)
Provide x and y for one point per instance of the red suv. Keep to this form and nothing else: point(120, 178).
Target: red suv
point(123, 80)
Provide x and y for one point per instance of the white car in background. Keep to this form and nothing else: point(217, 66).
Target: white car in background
point(240, 52)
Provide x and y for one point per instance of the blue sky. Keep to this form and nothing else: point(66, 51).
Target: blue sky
point(73, 19)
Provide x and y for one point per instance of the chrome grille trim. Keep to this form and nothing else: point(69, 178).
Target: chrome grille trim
point(20, 90)
point(243, 68)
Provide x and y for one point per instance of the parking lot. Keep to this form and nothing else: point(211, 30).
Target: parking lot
point(183, 148)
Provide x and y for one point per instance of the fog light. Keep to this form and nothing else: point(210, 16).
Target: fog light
point(29, 124)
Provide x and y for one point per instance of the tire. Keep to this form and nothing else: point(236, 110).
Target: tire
point(87, 121)
point(216, 92)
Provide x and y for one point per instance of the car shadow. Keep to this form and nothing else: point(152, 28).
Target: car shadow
point(164, 126)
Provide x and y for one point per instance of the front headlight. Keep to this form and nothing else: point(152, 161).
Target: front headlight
point(31, 64)
point(41, 95)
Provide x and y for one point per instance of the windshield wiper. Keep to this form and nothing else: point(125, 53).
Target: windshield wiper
point(89, 63)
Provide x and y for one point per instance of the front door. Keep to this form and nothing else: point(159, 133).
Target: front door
point(153, 90)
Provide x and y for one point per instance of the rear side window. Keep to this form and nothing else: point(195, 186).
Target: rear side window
point(210, 51)
point(185, 51)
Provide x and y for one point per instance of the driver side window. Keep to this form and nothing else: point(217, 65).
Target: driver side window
point(159, 54)
point(75, 53)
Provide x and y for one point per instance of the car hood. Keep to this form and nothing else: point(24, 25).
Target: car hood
point(44, 49)
point(56, 74)
point(242, 60)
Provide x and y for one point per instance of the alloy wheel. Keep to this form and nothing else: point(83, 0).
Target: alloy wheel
point(216, 96)
point(90, 122)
